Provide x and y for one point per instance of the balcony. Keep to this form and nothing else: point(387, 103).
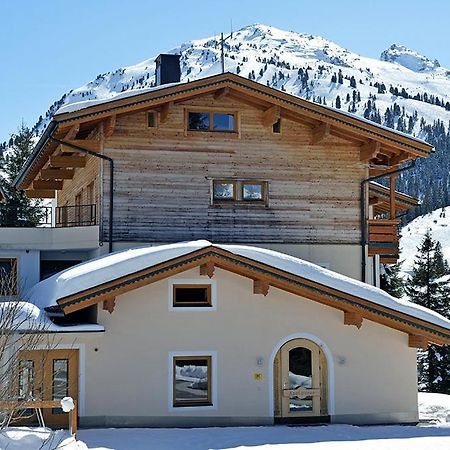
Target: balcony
point(383, 239)
point(46, 216)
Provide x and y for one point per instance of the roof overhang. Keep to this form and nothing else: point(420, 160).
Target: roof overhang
point(212, 256)
point(373, 138)
point(379, 198)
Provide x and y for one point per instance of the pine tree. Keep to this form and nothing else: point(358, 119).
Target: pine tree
point(429, 286)
point(18, 210)
point(391, 282)
point(338, 102)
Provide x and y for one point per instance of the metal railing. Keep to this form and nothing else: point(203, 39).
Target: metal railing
point(45, 216)
point(75, 216)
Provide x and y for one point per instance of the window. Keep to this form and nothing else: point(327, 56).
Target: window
point(223, 122)
point(276, 127)
point(240, 191)
point(151, 119)
point(252, 191)
point(209, 121)
point(224, 190)
point(191, 295)
point(192, 381)
point(8, 273)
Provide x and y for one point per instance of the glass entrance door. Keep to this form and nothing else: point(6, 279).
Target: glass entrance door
point(49, 375)
point(300, 379)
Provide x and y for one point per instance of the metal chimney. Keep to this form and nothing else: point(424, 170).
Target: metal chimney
point(167, 69)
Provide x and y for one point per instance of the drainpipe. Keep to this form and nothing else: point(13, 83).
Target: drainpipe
point(111, 182)
point(364, 239)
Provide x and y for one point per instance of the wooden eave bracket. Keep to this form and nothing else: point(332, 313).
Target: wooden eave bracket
point(109, 304)
point(165, 111)
point(207, 269)
point(320, 132)
point(417, 341)
point(369, 151)
point(261, 287)
point(353, 318)
point(94, 145)
point(271, 116)
point(109, 126)
point(67, 161)
point(57, 174)
point(40, 193)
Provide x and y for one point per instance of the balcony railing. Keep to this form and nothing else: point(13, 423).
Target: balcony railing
point(75, 216)
point(383, 239)
point(46, 216)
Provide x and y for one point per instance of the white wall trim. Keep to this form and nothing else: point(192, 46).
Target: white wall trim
point(214, 384)
point(193, 309)
point(330, 367)
point(81, 370)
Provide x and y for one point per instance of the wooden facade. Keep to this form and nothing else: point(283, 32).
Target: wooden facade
point(311, 160)
point(164, 178)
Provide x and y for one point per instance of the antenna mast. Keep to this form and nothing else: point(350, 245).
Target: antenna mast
point(222, 55)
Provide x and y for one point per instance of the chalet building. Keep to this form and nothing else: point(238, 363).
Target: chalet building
point(212, 258)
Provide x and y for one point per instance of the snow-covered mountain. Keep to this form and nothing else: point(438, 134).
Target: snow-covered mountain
point(301, 64)
point(402, 90)
point(438, 222)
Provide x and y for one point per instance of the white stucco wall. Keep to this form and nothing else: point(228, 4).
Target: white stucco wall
point(126, 369)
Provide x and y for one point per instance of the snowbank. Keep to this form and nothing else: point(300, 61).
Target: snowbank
point(434, 407)
point(25, 438)
point(110, 267)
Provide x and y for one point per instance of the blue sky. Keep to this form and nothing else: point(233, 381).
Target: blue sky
point(49, 47)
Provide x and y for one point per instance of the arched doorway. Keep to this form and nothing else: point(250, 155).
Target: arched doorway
point(300, 381)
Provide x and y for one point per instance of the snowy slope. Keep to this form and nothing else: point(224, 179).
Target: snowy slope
point(412, 234)
point(281, 59)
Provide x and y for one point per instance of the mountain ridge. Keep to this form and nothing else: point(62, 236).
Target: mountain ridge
point(386, 90)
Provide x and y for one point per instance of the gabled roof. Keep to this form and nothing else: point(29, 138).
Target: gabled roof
point(109, 276)
point(342, 124)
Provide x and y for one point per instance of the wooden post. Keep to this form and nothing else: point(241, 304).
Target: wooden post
point(392, 196)
point(73, 417)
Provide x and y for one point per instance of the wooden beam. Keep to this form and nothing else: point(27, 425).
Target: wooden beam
point(271, 116)
point(369, 151)
point(417, 341)
point(57, 174)
point(353, 318)
point(67, 161)
point(398, 159)
point(40, 193)
point(71, 134)
point(165, 111)
point(221, 93)
point(88, 144)
point(109, 304)
point(320, 132)
point(207, 269)
point(109, 126)
point(392, 212)
point(47, 184)
point(261, 287)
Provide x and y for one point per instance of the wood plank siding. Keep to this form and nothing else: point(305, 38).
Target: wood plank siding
point(163, 179)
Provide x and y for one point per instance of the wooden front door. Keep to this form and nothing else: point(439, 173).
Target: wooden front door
point(49, 375)
point(300, 390)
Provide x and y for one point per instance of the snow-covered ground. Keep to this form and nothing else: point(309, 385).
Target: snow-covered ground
point(432, 407)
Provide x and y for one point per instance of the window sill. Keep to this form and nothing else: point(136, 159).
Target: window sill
point(212, 133)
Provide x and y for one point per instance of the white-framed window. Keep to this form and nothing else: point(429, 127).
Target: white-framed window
point(192, 380)
point(192, 294)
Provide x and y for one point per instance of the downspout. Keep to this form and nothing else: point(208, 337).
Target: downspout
point(111, 182)
point(364, 218)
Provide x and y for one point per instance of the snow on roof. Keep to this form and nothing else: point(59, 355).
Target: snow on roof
point(23, 316)
point(77, 106)
point(107, 268)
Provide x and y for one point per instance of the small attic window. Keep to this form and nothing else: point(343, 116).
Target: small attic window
point(276, 127)
point(191, 295)
point(151, 119)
